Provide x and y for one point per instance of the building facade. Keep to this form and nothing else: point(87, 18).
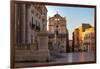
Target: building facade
point(31, 34)
point(89, 40)
point(70, 45)
point(76, 44)
point(58, 34)
point(78, 36)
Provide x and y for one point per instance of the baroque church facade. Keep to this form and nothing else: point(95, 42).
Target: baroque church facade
point(58, 34)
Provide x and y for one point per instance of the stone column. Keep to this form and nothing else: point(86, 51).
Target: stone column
point(28, 22)
point(16, 24)
point(20, 23)
point(23, 18)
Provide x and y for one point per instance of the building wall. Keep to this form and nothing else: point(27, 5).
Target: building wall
point(58, 33)
point(70, 45)
point(76, 39)
point(82, 29)
point(89, 39)
point(78, 36)
point(30, 21)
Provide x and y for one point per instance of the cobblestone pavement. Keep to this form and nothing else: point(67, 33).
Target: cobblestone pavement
point(64, 58)
point(75, 57)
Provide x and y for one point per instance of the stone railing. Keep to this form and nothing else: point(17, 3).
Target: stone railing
point(31, 55)
point(32, 46)
point(30, 52)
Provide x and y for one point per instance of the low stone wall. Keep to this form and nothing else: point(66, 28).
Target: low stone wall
point(31, 55)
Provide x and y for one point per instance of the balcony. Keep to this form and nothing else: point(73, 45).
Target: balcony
point(33, 26)
point(37, 28)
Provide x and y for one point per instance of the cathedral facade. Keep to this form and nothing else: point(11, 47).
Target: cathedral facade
point(58, 34)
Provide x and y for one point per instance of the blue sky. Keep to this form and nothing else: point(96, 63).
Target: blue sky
point(75, 16)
